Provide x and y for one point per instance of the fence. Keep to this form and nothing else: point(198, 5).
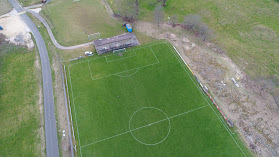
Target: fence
point(205, 89)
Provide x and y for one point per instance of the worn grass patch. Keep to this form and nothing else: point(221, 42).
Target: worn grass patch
point(18, 104)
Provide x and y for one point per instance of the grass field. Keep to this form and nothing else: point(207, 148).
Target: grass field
point(247, 30)
point(29, 2)
point(5, 7)
point(19, 110)
point(71, 22)
point(145, 103)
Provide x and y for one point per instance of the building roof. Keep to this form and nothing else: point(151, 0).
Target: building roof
point(117, 42)
point(118, 38)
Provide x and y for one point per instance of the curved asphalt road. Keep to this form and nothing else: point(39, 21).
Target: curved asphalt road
point(50, 121)
point(39, 17)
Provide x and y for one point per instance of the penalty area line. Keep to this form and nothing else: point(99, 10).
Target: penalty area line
point(144, 126)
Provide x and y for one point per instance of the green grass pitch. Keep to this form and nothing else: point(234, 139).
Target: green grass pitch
point(144, 102)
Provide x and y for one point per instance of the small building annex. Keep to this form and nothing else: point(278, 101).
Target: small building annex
point(115, 43)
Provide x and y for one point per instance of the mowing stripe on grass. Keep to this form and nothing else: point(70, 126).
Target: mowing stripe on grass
point(145, 126)
point(185, 69)
point(78, 62)
point(137, 68)
point(207, 101)
point(111, 56)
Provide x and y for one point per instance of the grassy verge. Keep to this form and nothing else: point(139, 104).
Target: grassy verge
point(29, 2)
point(5, 7)
point(53, 56)
point(20, 116)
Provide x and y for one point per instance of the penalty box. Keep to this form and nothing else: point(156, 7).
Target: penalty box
point(115, 64)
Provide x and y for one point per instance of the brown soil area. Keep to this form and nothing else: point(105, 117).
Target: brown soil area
point(251, 107)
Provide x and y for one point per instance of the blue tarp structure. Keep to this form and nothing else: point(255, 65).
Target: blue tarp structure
point(1, 28)
point(129, 27)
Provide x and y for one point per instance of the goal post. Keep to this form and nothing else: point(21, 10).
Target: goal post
point(94, 36)
point(119, 51)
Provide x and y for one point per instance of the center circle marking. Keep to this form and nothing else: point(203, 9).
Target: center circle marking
point(131, 130)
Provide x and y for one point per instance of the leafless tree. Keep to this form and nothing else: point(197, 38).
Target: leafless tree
point(164, 2)
point(128, 10)
point(158, 1)
point(158, 15)
point(205, 32)
point(137, 6)
point(173, 20)
point(192, 21)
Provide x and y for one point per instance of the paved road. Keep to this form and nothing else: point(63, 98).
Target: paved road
point(50, 121)
point(39, 17)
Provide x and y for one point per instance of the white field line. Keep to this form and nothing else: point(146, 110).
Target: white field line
point(67, 107)
point(89, 60)
point(154, 54)
point(69, 104)
point(74, 109)
point(126, 70)
point(145, 126)
point(130, 74)
point(192, 81)
point(112, 54)
point(207, 100)
point(221, 117)
point(121, 58)
point(90, 71)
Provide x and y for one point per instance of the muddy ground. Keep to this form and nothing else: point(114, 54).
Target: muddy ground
point(250, 106)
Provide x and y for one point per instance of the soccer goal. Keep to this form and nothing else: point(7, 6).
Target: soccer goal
point(94, 36)
point(119, 51)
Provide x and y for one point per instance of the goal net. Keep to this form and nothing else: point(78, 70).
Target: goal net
point(94, 36)
point(119, 51)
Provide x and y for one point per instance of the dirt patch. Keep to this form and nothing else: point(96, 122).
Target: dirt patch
point(251, 107)
point(16, 30)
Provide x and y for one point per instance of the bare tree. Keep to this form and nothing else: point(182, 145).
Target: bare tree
point(158, 1)
point(164, 2)
point(137, 6)
point(205, 32)
point(158, 15)
point(128, 10)
point(192, 21)
point(173, 20)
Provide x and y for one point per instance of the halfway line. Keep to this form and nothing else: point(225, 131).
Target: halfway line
point(145, 126)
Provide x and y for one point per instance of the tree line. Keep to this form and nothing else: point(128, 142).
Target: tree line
point(129, 11)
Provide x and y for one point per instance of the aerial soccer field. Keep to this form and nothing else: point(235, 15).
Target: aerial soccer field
point(145, 102)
